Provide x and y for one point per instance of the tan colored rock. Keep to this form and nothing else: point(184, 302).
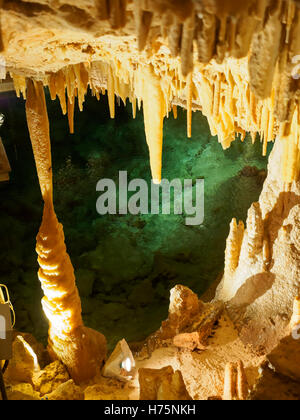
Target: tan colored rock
point(24, 363)
point(81, 349)
point(189, 341)
point(255, 230)
point(235, 382)
point(162, 384)
point(260, 294)
point(184, 306)
point(285, 358)
point(22, 392)
point(295, 320)
point(233, 247)
point(68, 391)
point(121, 363)
point(46, 381)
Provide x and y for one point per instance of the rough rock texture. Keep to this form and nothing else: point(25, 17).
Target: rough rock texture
point(67, 391)
point(260, 293)
point(272, 386)
point(235, 382)
point(22, 392)
point(75, 45)
point(244, 78)
point(162, 384)
point(47, 380)
point(24, 363)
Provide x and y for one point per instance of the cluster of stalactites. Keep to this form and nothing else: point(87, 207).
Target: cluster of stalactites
point(139, 86)
point(222, 92)
point(258, 94)
point(214, 29)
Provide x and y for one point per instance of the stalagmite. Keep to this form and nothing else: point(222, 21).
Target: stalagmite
point(233, 247)
point(295, 320)
point(229, 382)
point(255, 231)
point(235, 382)
point(82, 350)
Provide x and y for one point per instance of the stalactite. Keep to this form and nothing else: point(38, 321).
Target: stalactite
point(1, 37)
point(265, 52)
point(175, 112)
point(187, 51)
point(19, 84)
point(154, 113)
point(143, 20)
point(71, 108)
point(117, 13)
point(175, 36)
point(229, 96)
point(38, 125)
point(82, 350)
point(103, 9)
point(189, 104)
point(206, 28)
point(111, 92)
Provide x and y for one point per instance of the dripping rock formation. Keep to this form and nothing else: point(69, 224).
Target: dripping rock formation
point(237, 62)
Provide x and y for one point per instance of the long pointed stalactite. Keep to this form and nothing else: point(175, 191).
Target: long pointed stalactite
point(82, 350)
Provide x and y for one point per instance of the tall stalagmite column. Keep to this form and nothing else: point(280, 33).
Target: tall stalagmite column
point(82, 350)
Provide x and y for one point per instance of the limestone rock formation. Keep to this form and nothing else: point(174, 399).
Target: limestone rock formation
point(162, 384)
point(79, 348)
point(235, 382)
point(24, 364)
point(261, 291)
point(47, 380)
point(295, 320)
point(206, 55)
point(238, 62)
point(67, 391)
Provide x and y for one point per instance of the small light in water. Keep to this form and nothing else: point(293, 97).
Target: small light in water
point(126, 365)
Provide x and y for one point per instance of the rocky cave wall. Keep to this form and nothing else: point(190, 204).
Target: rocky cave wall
point(235, 61)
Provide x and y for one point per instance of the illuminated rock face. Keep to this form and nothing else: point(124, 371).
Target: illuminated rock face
point(82, 350)
point(237, 62)
point(261, 289)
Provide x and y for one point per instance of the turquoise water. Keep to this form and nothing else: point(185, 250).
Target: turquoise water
point(125, 265)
